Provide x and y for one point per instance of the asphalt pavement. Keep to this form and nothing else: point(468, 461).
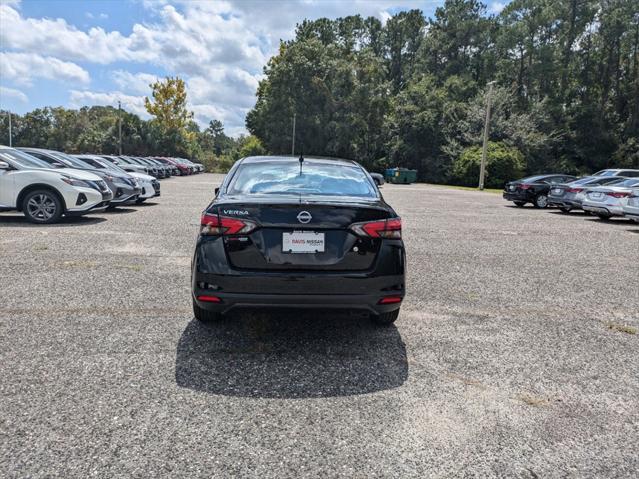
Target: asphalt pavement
point(515, 354)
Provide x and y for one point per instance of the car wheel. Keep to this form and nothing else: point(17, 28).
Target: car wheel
point(520, 203)
point(603, 217)
point(42, 206)
point(563, 209)
point(385, 319)
point(140, 200)
point(540, 201)
point(204, 315)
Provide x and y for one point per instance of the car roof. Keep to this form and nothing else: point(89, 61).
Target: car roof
point(283, 158)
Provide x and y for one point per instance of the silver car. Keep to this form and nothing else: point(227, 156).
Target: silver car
point(631, 208)
point(608, 201)
point(568, 196)
point(628, 173)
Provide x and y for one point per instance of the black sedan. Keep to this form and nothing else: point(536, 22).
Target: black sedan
point(311, 233)
point(533, 189)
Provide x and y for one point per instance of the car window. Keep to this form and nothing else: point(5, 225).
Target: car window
point(22, 159)
point(315, 178)
point(629, 173)
point(628, 182)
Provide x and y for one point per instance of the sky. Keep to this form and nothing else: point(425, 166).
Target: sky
point(73, 53)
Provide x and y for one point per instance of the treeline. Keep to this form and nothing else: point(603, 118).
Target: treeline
point(171, 130)
point(412, 92)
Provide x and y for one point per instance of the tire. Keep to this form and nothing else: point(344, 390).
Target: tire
point(603, 217)
point(205, 316)
point(385, 319)
point(42, 207)
point(565, 210)
point(520, 204)
point(140, 200)
point(540, 201)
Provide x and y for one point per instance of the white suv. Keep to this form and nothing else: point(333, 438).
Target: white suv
point(43, 194)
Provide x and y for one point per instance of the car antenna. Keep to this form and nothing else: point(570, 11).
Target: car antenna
point(301, 160)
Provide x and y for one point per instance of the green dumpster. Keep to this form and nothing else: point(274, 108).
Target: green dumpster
point(402, 176)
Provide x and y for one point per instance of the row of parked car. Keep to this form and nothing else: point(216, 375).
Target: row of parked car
point(606, 194)
point(46, 184)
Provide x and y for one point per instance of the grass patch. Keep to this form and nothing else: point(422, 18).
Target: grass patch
point(79, 264)
point(132, 267)
point(622, 328)
point(532, 400)
point(468, 188)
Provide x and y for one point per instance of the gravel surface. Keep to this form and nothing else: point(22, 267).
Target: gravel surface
point(514, 354)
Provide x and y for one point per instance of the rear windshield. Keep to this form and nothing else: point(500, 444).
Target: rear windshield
point(533, 179)
point(606, 173)
point(628, 182)
point(285, 178)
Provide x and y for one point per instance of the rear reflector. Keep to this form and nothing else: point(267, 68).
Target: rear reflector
point(214, 225)
point(209, 299)
point(390, 300)
point(390, 228)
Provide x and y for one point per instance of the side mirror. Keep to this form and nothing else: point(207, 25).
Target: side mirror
point(217, 190)
point(5, 166)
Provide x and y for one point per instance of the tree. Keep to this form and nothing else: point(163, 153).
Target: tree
point(172, 119)
point(503, 163)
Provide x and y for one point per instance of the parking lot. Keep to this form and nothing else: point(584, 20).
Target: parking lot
point(515, 354)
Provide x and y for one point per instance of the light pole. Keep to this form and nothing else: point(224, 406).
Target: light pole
point(482, 168)
point(119, 128)
point(10, 129)
point(293, 147)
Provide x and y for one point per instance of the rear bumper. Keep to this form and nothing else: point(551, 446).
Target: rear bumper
point(603, 208)
point(360, 290)
point(516, 196)
point(231, 301)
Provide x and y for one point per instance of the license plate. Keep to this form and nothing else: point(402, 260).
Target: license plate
point(596, 195)
point(557, 191)
point(303, 242)
point(511, 188)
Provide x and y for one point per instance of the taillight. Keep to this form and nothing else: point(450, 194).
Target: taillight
point(214, 225)
point(618, 194)
point(390, 300)
point(574, 190)
point(525, 187)
point(390, 228)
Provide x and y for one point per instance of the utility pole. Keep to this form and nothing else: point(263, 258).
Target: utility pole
point(119, 128)
point(482, 169)
point(10, 130)
point(293, 147)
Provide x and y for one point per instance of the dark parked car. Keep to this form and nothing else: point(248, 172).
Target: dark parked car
point(533, 189)
point(312, 233)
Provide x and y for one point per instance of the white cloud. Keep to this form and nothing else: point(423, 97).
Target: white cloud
point(496, 7)
point(22, 68)
point(219, 48)
point(133, 104)
point(134, 82)
point(6, 92)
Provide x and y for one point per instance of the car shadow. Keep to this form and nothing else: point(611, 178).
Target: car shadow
point(120, 210)
point(144, 204)
point(290, 354)
point(618, 221)
point(65, 221)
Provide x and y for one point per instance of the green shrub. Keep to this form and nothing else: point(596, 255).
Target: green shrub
point(503, 163)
